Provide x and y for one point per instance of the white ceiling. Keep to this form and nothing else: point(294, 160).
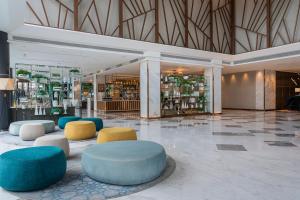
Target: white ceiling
point(291, 64)
point(89, 60)
point(93, 60)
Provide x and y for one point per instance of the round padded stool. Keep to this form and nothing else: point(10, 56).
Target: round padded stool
point(98, 122)
point(80, 130)
point(124, 162)
point(29, 132)
point(14, 127)
point(116, 134)
point(54, 140)
point(31, 168)
point(62, 121)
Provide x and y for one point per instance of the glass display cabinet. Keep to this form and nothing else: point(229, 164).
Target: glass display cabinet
point(184, 94)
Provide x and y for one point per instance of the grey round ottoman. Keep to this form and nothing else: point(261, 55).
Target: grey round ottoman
point(124, 162)
point(54, 140)
point(29, 132)
point(14, 127)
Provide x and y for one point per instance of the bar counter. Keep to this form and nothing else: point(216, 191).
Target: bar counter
point(119, 105)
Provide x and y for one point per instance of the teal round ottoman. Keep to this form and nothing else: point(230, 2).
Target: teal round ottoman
point(31, 168)
point(14, 127)
point(62, 121)
point(124, 162)
point(98, 122)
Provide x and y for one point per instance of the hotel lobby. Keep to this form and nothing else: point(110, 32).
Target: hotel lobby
point(149, 99)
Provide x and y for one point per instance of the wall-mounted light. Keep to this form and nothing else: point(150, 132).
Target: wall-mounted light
point(7, 84)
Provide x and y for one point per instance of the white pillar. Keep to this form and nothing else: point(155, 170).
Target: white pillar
point(150, 85)
point(214, 75)
point(95, 89)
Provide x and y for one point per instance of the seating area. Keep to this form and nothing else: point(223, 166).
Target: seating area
point(116, 157)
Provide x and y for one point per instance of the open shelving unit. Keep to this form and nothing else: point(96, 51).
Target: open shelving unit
point(184, 94)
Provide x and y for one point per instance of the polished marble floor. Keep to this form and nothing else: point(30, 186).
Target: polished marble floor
point(237, 155)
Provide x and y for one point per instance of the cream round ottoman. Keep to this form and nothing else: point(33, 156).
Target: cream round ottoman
point(54, 140)
point(29, 132)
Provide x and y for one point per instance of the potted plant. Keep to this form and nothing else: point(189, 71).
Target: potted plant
point(22, 73)
point(41, 94)
point(55, 75)
point(74, 72)
point(56, 111)
point(56, 86)
point(39, 78)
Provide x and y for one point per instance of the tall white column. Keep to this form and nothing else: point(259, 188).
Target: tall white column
point(214, 75)
point(150, 85)
point(95, 89)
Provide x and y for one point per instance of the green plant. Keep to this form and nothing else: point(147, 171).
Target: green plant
point(37, 76)
point(55, 75)
point(55, 84)
point(86, 86)
point(74, 71)
point(56, 111)
point(23, 72)
point(41, 93)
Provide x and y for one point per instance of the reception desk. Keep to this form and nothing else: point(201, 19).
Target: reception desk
point(119, 105)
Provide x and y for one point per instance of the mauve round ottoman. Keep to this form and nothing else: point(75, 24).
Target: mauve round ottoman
point(14, 127)
point(29, 132)
point(54, 140)
point(62, 121)
point(31, 168)
point(124, 162)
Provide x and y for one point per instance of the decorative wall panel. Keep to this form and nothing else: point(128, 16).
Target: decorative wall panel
point(172, 22)
point(99, 16)
point(285, 22)
point(139, 20)
point(250, 25)
point(199, 24)
point(221, 26)
point(50, 13)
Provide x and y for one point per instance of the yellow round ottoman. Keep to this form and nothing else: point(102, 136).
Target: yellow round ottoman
point(116, 134)
point(80, 130)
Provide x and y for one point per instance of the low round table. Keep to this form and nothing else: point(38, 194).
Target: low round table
point(33, 168)
point(14, 127)
point(124, 162)
point(54, 140)
point(80, 130)
point(29, 132)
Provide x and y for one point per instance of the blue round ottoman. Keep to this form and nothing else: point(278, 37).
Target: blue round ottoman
point(31, 168)
point(98, 122)
point(62, 121)
point(14, 127)
point(124, 162)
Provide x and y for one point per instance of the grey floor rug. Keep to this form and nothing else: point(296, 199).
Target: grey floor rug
point(76, 185)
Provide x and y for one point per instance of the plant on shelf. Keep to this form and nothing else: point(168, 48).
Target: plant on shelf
point(23, 73)
point(55, 75)
point(74, 71)
point(56, 111)
point(202, 100)
point(87, 87)
point(39, 78)
point(55, 86)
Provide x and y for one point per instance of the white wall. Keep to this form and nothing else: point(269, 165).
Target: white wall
point(255, 90)
point(239, 90)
